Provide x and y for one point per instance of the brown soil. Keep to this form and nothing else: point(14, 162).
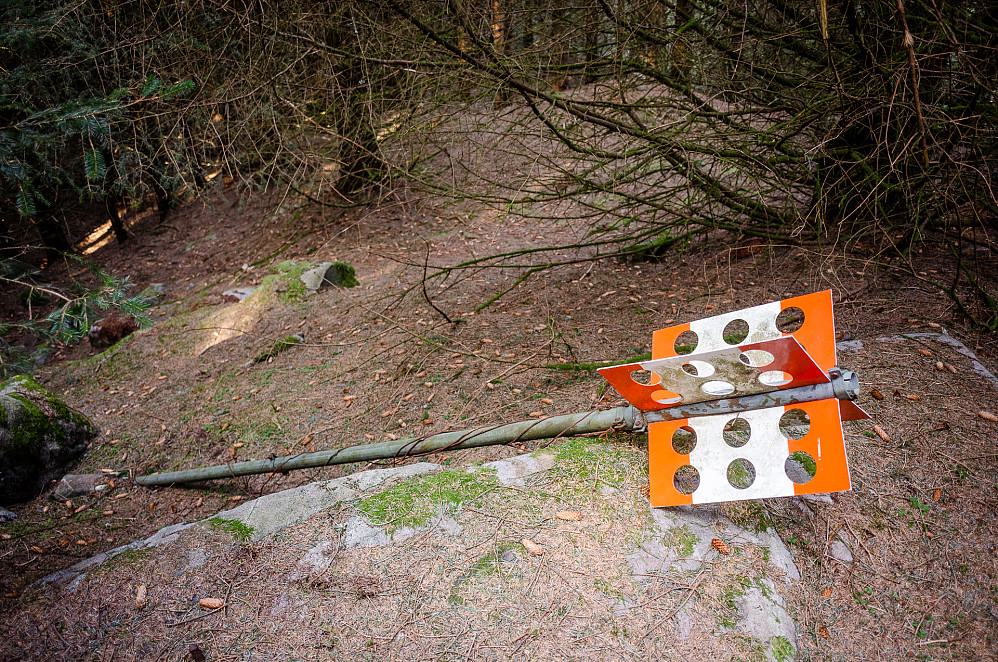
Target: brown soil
point(379, 361)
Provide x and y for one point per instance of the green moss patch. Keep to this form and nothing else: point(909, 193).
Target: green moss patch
point(414, 502)
point(782, 649)
point(584, 464)
point(233, 527)
point(681, 540)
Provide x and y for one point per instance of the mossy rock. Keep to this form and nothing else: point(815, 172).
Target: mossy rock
point(41, 438)
point(336, 273)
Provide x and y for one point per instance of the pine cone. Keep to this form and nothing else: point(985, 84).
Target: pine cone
point(720, 546)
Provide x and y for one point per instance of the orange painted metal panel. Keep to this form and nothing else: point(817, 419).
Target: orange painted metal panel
point(826, 444)
point(663, 462)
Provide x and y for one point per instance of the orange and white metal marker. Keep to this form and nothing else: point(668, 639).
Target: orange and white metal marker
point(746, 411)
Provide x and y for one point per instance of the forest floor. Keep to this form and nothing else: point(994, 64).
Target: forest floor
point(379, 361)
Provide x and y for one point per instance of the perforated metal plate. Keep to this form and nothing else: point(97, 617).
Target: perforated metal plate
point(816, 332)
point(760, 462)
point(731, 372)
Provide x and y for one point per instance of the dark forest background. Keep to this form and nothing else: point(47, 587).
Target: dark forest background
point(867, 126)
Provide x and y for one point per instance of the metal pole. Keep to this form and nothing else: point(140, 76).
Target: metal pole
point(547, 428)
point(844, 385)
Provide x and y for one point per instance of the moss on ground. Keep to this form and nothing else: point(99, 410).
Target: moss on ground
point(233, 527)
point(681, 540)
point(782, 649)
point(584, 463)
point(289, 273)
point(414, 502)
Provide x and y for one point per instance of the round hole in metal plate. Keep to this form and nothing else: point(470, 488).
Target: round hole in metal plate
point(686, 480)
point(800, 467)
point(775, 378)
point(795, 424)
point(684, 440)
point(666, 397)
point(698, 368)
point(735, 331)
point(645, 377)
point(716, 387)
point(741, 473)
point(790, 319)
point(686, 342)
point(756, 358)
point(736, 432)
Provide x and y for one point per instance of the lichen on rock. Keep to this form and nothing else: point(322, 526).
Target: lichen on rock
point(40, 438)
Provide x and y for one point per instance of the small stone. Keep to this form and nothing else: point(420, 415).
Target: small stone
point(840, 551)
point(325, 274)
point(7, 516)
point(75, 485)
point(238, 293)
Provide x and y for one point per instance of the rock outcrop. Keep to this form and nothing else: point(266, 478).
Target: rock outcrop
point(40, 438)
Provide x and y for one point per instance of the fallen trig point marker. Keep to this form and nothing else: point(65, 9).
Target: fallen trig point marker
point(735, 408)
point(738, 409)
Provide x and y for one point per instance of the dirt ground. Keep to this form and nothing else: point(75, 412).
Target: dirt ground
point(379, 361)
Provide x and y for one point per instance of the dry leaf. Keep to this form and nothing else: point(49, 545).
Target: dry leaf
point(988, 416)
point(877, 394)
point(211, 603)
point(427, 421)
point(937, 494)
point(140, 597)
point(941, 426)
point(532, 547)
point(720, 546)
point(238, 444)
point(882, 433)
point(826, 593)
point(37, 550)
point(925, 352)
point(547, 401)
point(939, 365)
point(307, 440)
point(569, 515)
point(236, 498)
point(823, 631)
